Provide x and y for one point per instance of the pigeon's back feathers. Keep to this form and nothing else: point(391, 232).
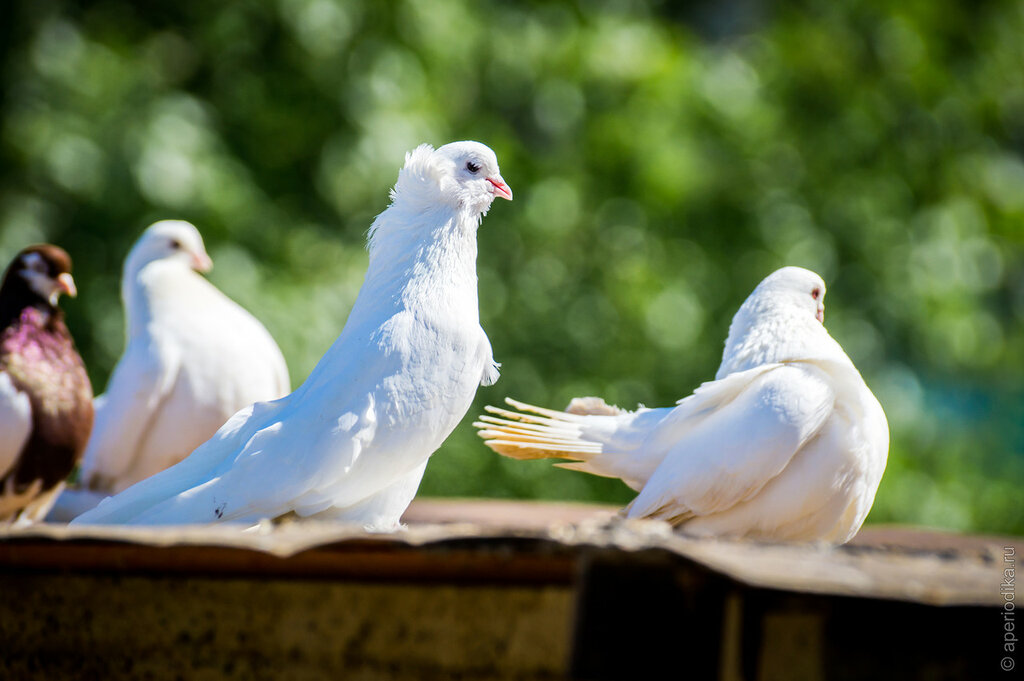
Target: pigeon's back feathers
point(719, 463)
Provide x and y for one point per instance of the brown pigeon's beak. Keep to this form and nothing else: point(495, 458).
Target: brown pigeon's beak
point(201, 262)
point(500, 188)
point(65, 284)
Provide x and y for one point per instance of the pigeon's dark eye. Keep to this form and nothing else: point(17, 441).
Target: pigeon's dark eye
point(34, 263)
point(175, 244)
point(472, 167)
point(816, 293)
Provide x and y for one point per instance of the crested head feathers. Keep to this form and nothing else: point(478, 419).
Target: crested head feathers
point(419, 179)
point(457, 181)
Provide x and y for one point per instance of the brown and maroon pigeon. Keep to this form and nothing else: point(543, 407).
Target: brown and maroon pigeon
point(45, 396)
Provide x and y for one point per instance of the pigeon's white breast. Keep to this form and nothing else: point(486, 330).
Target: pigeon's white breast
point(439, 363)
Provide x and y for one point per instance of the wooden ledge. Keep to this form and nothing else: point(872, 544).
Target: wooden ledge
point(516, 542)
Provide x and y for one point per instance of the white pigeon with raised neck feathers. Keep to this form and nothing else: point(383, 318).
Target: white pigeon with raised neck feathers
point(193, 358)
point(352, 442)
point(787, 443)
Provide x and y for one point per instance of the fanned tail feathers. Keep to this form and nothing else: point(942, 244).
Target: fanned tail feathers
point(536, 433)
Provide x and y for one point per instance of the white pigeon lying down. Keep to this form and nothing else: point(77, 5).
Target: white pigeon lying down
point(787, 443)
point(193, 358)
point(352, 442)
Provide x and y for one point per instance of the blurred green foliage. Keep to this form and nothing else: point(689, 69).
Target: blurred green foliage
point(663, 162)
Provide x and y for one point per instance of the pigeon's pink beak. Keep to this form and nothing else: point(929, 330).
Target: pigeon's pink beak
point(820, 315)
point(66, 284)
point(201, 262)
point(500, 188)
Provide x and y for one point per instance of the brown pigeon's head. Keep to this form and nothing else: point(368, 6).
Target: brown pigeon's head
point(38, 273)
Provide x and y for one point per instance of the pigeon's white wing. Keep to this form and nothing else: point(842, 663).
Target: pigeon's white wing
point(196, 468)
point(731, 450)
point(15, 422)
point(635, 444)
point(141, 381)
point(280, 468)
point(308, 457)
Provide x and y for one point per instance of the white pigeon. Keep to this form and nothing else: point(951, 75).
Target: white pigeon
point(786, 443)
point(352, 442)
point(193, 358)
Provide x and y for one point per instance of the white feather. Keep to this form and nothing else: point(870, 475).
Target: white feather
point(15, 422)
point(787, 443)
point(351, 443)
